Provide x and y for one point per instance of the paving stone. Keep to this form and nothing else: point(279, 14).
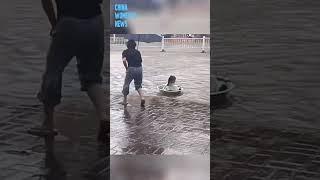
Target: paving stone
point(166, 124)
point(23, 156)
point(18, 175)
point(26, 168)
point(282, 175)
point(286, 156)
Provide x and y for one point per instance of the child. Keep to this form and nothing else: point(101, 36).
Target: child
point(171, 84)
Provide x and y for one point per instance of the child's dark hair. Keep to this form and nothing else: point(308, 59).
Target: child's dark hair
point(171, 79)
point(131, 44)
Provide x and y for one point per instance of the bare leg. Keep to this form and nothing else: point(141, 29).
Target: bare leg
point(125, 101)
point(98, 98)
point(48, 122)
point(141, 96)
point(47, 128)
point(126, 86)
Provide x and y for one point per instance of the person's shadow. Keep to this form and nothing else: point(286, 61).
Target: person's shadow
point(126, 114)
point(53, 169)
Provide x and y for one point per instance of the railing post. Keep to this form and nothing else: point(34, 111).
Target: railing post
point(114, 38)
point(162, 44)
point(203, 44)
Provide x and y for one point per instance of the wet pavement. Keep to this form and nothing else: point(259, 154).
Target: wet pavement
point(74, 154)
point(257, 153)
point(167, 125)
point(164, 126)
point(189, 65)
point(270, 50)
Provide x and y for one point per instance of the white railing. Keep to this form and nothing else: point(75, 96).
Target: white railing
point(167, 43)
point(117, 40)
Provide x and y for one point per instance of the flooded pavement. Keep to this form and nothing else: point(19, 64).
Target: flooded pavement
point(74, 154)
point(264, 153)
point(270, 50)
point(191, 68)
point(167, 125)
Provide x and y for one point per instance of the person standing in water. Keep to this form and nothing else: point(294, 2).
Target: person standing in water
point(132, 62)
point(77, 30)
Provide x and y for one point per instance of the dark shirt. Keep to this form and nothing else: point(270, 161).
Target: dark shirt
point(133, 57)
point(82, 9)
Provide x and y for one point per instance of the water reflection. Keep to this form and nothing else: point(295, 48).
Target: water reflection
point(222, 104)
point(53, 168)
point(57, 167)
point(126, 114)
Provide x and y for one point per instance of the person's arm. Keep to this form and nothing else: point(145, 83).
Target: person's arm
point(140, 58)
point(48, 8)
point(124, 61)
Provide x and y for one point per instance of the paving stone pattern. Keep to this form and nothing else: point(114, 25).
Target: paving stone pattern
point(165, 126)
point(24, 157)
point(265, 154)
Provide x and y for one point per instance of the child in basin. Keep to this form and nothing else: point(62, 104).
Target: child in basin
point(171, 86)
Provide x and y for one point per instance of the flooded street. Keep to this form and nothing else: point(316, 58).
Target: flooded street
point(191, 68)
point(167, 125)
point(270, 50)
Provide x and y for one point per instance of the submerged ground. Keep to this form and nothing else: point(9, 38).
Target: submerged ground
point(270, 50)
point(167, 125)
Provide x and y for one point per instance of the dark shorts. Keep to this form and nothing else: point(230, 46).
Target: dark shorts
point(80, 38)
point(133, 73)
